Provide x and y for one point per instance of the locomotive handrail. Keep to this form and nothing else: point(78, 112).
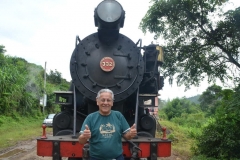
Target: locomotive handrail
point(74, 112)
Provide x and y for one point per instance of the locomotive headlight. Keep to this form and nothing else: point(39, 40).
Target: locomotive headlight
point(109, 14)
point(109, 11)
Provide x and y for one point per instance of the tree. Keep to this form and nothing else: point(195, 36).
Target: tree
point(12, 84)
point(210, 98)
point(54, 77)
point(19, 85)
point(200, 40)
point(2, 50)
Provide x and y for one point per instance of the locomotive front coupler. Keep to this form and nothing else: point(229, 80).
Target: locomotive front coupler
point(134, 150)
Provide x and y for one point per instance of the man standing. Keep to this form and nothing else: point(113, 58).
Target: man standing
point(104, 129)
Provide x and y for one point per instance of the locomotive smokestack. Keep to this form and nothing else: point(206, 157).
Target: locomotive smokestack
point(109, 18)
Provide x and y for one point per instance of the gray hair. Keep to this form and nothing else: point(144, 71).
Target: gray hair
point(105, 90)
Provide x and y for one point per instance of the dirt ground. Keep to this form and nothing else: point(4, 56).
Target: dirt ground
point(26, 150)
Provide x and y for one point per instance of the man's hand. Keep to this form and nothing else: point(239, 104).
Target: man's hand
point(133, 131)
point(85, 135)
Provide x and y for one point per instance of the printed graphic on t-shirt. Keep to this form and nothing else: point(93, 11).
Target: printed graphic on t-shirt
point(107, 130)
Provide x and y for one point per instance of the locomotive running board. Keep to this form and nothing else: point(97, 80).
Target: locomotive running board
point(66, 146)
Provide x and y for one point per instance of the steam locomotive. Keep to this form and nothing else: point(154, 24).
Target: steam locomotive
point(109, 59)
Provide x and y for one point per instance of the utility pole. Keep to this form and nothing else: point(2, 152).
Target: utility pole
point(44, 86)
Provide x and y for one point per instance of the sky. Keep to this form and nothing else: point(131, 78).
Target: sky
point(44, 31)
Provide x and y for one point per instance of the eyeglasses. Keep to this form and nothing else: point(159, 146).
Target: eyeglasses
point(105, 100)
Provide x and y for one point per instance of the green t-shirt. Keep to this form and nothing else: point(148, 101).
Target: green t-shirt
point(106, 134)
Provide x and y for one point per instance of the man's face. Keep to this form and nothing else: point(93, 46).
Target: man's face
point(105, 103)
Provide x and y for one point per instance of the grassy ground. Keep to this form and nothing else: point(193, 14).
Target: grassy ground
point(181, 143)
point(14, 130)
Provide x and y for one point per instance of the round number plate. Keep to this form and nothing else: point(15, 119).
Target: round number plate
point(107, 64)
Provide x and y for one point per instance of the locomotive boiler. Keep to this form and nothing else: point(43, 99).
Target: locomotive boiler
point(109, 59)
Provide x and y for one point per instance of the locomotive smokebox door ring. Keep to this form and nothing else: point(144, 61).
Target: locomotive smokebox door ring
point(107, 64)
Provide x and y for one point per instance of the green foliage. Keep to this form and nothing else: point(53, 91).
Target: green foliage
point(194, 99)
point(181, 143)
point(202, 157)
point(162, 115)
point(196, 45)
point(55, 83)
point(51, 106)
point(194, 120)
point(220, 139)
point(21, 86)
point(2, 50)
point(12, 84)
point(50, 88)
point(54, 77)
point(210, 98)
point(177, 107)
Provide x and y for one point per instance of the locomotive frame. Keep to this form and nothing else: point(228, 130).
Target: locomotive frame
point(134, 78)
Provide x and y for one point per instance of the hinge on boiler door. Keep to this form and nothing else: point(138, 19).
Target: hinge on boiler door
point(64, 97)
point(56, 150)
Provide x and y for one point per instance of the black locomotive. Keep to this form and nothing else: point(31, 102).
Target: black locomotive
point(109, 59)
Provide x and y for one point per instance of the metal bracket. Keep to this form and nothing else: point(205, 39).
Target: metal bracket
point(56, 150)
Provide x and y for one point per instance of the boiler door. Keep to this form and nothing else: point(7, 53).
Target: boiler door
point(117, 66)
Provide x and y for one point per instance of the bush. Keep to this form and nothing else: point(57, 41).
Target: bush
point(220, 139)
